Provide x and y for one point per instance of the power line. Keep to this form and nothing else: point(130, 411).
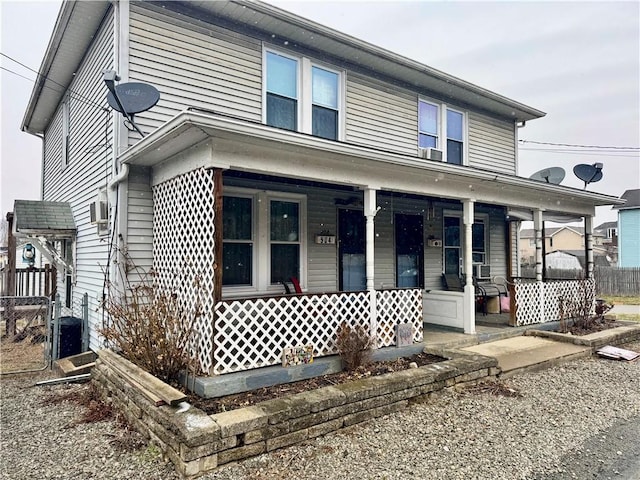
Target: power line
point(614, 154)
point(78, 96)
point(580, 146)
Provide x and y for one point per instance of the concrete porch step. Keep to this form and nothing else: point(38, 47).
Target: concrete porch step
point(526, 353)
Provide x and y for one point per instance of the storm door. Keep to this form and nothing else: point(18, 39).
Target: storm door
point(351, 250)
point(409, 251)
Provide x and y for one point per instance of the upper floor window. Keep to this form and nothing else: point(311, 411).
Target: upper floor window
point(455, 137)
point(302, 96)
point(428, 119)
point(442, 128)
point(66, 119)
point(282, 91)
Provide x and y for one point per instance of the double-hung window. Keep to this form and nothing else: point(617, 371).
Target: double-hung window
point(455, 137)
point(282, 91)
point(303, 96)
point(428, 121)
point(442, 128)
point(263, 234)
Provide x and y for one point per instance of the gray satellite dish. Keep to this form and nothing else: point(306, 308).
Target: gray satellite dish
point(549, 175)
point(134, 97)
point(588, 173)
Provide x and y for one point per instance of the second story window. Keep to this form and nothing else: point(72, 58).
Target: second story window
point(302, 96)
point(282, 91)
point(442, 128)
point(66, 119)
point(428, 120)
point(455, 137)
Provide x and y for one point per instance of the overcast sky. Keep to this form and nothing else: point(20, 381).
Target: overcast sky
point(577, 61)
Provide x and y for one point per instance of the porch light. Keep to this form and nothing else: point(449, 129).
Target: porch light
point(29, 254)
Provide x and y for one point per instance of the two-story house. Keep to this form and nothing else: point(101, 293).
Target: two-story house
point(281, 148)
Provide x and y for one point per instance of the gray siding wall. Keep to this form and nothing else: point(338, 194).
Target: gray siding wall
point(322, 215)
point(89, 162)
point(140, 220)
point(381, 116)
point(193, 65)
point(491, 144)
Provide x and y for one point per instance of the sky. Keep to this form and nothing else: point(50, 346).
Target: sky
point(577, 61)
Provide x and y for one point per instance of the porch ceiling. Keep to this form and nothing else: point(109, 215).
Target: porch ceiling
point(209, 140)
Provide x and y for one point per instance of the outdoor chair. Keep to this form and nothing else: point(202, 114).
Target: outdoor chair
point(483, 290)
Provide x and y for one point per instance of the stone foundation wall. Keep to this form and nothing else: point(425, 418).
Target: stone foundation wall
point(197, 443)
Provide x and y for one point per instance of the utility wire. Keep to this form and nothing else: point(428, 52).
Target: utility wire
point(580, 146)
point(78, 96)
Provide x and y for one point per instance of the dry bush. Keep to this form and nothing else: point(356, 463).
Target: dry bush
point(577, 313)
point(354, 346)
point(151, 326)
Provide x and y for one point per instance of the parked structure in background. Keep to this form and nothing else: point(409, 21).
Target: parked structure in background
point(629, 229)
point(566, 238)
point(363, 174)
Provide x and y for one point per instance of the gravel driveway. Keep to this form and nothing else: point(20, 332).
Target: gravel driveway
point(570, 421)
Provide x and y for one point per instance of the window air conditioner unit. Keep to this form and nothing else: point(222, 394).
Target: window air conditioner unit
point(98, 211)
point(431, 154)
point(482, 271)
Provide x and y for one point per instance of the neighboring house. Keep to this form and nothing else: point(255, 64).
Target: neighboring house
point(557, 238)
point(362, 173)
point(629, 230)
point(609, 231)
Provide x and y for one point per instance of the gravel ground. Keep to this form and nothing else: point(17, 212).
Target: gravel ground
point(565, 414)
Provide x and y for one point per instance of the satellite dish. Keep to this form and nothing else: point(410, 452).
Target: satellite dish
point(588, 173)
point(549, 175)
point(134, 97)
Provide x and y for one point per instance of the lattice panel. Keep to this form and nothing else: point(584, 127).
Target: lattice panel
point(394, 307)
point(252, 333)
point(580, 291)
point(183, 249)
point(539, 302)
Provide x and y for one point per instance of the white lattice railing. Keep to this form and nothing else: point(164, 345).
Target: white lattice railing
point(252, 333)
point(539, 302)
point(398, 306)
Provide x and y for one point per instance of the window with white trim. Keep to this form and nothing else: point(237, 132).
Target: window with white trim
point(263, 240)
point(302, 95)
point(442, 128)
point(65, 132)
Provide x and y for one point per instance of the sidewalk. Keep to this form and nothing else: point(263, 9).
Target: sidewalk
point(516, 351)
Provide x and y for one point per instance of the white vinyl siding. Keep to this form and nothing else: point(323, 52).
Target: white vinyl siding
point(491, 144)
point(89, 165)
point(380, 116)
point(140, 219)
point(193, 65)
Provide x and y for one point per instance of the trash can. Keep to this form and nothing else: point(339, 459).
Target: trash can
point(70, 336)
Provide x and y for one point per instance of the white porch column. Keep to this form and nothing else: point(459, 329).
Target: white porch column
point(370, 211)
point(537, 226)
point(588, 245)
point(469, 321)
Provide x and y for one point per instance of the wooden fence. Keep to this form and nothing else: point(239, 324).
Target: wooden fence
point(29, 282)
point(609, 280)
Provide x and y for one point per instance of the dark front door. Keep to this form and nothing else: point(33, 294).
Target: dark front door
point(351, 250)
point(409, 251)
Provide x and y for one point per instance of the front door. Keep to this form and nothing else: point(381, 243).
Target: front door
point(409, 251)
point(351, 250)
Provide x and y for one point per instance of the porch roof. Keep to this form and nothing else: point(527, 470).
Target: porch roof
point(48, 219)
point(211, 140)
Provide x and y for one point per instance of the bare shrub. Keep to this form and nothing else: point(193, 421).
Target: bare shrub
point(582, 313)
point(354, 346)
point(150, 325)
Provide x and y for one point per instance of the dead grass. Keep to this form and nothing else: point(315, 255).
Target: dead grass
point(25, 354)
point(494, 387)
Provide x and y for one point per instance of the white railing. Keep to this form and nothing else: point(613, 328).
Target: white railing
point(539, 302)
point(252, 333)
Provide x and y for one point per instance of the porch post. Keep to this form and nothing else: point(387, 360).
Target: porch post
point(370, 211)
point(469, 321)
point(538, 227)
point(588, 245)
